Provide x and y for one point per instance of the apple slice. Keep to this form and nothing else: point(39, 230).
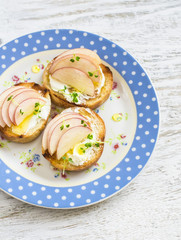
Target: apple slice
point(62, 118)
point(70, 138)
point(26, 108)
point(3, 96)
point(49, 128)
point(59, 129)
point(20, 97)
point(83, 51)
point(84, 64)
point(6, 103)
point(75, 78)
point(45, 134)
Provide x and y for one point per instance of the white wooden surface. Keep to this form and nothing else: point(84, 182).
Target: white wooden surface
point(149, 208)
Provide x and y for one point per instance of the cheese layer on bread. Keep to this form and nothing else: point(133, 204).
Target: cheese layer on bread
point(67, 90)
point(32, 120)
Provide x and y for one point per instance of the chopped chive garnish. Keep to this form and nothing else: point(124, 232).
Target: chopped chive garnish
point(9, 98)
point(95, 76)
point(87, 145)
point(83, 150)
point(21, 112)
point(97, 144)
point(62, 127)
point(77, 58)
point(90, 74)
point(68, 125)
point(70, 160)
point(36, 104)
point(82, 121)
point(90, 136)
point(85, 125)
point(74, 95)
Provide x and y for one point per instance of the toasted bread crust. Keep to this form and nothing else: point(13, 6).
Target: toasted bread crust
point(100, 127)
point(59, 100)
point(35, 132)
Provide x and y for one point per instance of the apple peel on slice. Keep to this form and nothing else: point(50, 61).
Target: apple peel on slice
point(20, 97)
point(7, 102)
point(26, 108)
point(84, 64)
point(83, 51)
point(3, 96)
point(49, 128)
point(59, 130)
point(64, 117)
point(70, 138)
point(75, 78)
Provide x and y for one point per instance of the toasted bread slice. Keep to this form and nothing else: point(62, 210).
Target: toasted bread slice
point(59, 99)
point(35, 131)
point(98, 128)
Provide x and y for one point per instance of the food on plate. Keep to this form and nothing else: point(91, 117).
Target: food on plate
point(77, 77)
point(24, 111)
point(74, 139)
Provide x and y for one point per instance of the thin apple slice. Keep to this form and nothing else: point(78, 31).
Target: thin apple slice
point(49, 128)
point(20, 97)
point(59, 130)
point(70, 138)
point(84, 64)
point(7, 102)
point(75, 78)
point(83, 51)
point(3, 96)
point(26, 108)
point(64, 117)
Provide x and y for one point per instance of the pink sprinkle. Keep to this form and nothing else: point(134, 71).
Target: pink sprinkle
point(116, 146)
point(41, 66)
point(15, 78)
point(122, 136)
point(30, 163)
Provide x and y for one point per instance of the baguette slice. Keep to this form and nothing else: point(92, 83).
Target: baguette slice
point(99, 129)
point(59, 99)
point(35, 131)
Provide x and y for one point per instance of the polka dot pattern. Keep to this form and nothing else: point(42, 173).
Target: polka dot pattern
point(146, 131)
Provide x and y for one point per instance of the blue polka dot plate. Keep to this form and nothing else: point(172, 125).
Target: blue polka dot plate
point(131, 115)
